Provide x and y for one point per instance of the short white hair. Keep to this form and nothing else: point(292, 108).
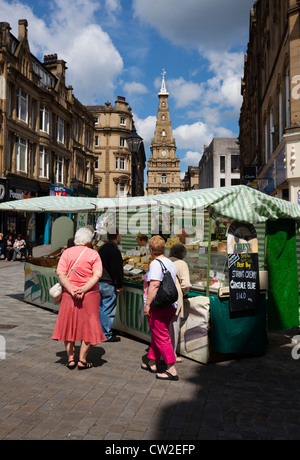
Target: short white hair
point(83, 236)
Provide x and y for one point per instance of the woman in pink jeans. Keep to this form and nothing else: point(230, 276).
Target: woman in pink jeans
point(159, 318)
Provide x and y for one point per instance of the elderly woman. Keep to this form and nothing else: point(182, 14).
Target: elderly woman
point(177, 254)
point(78, 317)
point(159, 318)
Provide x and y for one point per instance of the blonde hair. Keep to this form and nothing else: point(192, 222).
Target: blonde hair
point(157, 245)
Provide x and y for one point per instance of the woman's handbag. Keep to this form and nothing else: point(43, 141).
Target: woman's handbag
point(167, 292)
point(55, 291)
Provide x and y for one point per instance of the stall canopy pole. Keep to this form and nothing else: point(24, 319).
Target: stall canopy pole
point(208, 256)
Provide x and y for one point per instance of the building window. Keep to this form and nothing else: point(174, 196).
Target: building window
point(266, 140)
point(22, 105)
point(122, 121)
point(77, 130)
point(44, 163)
point(272, 131)
point(59, 169)
point(235, 163)
point(163, 133)
point(235, 181)
point(60, 130)
point(44, 118)
point(222, 182)
point(96, 141)
point(280, 113)
point(122, 141)
point(21, 154)
point(222, 164)
point(287, 98)
point(163, 178)
point(121, 190)
point(96, 120)
point(122, 163)
point(97, 163)
point(87, 172)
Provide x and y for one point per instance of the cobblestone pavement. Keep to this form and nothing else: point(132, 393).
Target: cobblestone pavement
point(40, 399)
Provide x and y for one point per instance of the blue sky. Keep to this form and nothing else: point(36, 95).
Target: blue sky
point(120, 47)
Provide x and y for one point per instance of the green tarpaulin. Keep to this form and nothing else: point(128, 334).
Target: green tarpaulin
point(239, 202)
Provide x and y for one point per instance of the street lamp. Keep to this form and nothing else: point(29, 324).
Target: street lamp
point(134, 142)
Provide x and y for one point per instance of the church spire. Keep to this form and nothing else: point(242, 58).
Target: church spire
point(163, 89)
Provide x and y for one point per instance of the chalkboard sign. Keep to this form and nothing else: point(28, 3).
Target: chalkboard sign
point(243, 267)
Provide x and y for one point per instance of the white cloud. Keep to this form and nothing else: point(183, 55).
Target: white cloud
point(192, 136)
point(198, 24)
point(145, 128)
point(192, 158)
point(135, 88)
point(184, 92)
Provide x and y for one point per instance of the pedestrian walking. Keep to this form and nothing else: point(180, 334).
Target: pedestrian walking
point(111, 282)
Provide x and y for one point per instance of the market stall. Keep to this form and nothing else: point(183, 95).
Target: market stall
point(205, 220)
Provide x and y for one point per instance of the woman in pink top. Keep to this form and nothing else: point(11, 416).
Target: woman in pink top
point(78, 316)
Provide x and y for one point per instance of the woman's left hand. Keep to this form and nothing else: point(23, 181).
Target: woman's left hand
point(147, 310)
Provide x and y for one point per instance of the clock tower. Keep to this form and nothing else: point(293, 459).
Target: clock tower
point(163, 164)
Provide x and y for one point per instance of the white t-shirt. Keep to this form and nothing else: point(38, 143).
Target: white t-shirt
point(155, 271)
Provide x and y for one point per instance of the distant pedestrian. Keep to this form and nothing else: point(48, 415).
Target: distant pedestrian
point(9, 248)
point(2, 245)
point(111, 282)
point(78, 316)
point(18, 245)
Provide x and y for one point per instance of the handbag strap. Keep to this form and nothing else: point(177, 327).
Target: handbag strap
point(76, 261)
point(164, 269)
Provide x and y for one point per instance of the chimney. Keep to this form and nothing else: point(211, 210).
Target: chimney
point(23, 24)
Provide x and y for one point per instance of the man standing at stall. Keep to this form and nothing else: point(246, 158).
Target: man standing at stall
point(111, 282)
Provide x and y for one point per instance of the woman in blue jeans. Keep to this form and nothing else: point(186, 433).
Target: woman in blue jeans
point(110, 283)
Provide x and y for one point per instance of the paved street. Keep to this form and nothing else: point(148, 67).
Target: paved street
point(249, 398)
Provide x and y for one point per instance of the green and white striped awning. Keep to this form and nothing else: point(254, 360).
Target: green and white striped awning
point(235, 203)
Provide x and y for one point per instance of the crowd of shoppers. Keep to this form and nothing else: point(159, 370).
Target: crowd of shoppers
point(91, 283)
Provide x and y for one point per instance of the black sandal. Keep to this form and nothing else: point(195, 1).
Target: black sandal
point(148, 368)
point(85, 365)
point(69, 366)
point(169, 376)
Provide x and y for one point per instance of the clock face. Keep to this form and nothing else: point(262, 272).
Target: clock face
point(164, 153)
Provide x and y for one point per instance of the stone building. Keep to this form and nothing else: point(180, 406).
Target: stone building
point(191, 178)
point(114, 162)
point(46, 134)
point(219, 165)
point(270, 113)
point(163, 163)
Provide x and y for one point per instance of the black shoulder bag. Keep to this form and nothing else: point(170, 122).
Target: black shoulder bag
point(167, 292)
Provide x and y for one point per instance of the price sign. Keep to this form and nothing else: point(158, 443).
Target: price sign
point(243, 267)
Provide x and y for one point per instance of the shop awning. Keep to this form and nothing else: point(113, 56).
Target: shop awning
point(238, 202)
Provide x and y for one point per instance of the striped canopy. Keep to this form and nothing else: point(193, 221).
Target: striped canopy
point(239, 202)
